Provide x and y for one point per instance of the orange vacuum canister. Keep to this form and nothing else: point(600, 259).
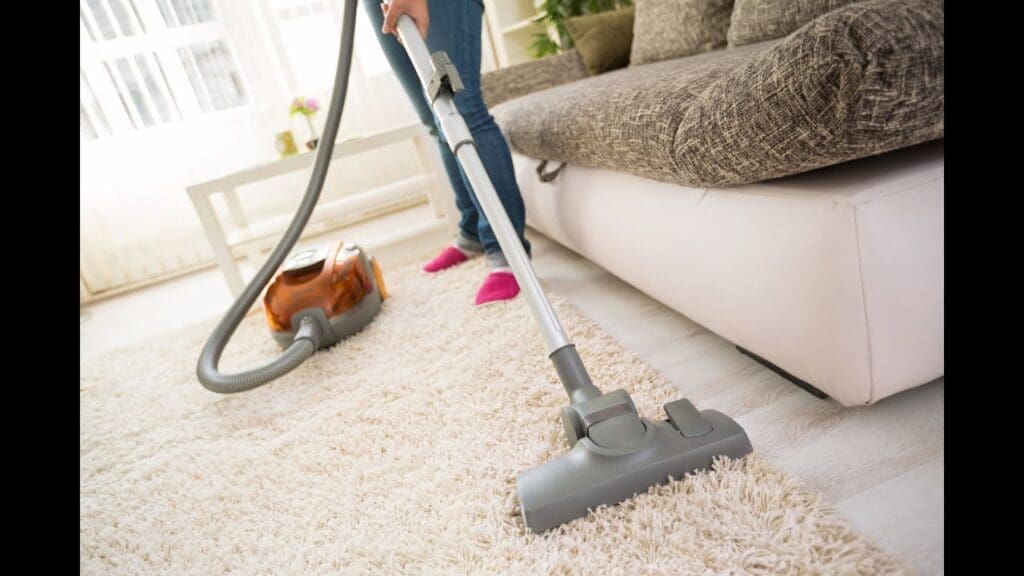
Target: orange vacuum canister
point(338, 284)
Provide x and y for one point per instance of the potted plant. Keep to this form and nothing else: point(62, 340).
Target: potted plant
point(307, 107)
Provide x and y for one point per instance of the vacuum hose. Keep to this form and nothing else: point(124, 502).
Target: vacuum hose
point(307, 337)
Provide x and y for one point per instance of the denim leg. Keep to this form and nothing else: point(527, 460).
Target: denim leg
point(400, 64)
point(455, 27)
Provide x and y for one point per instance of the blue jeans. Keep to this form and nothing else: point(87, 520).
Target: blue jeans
point(455, 27)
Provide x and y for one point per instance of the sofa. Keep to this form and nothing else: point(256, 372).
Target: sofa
point(780, 183)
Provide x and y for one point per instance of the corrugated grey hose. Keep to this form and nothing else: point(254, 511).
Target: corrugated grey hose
point(307, 337)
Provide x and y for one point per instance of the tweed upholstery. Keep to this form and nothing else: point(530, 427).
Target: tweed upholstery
point(508, 83)
point(859, 81)
point(665, 29)
point(625, 119)
point(757, 20)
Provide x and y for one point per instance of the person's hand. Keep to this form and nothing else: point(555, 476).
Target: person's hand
point(416, 9)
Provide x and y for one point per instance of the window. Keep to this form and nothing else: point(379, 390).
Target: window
point(310, 38)
point(93, 122)
point(152, 62)
point(370, 54)
point(309, 35)
point(140, 81)
point(185, 12)
point(292, 9)
point(110, 19)
point(212, 75)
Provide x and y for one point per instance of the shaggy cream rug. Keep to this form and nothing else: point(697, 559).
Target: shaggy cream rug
point(397, 452)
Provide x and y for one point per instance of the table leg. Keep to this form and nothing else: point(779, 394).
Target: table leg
point(221, 250)
point(238, 217)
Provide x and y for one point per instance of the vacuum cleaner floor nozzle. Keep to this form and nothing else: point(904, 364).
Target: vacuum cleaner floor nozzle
point(589, 475)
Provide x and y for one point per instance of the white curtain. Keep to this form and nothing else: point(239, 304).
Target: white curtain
point(136, 220)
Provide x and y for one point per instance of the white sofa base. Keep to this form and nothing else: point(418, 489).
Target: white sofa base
point(835, 276)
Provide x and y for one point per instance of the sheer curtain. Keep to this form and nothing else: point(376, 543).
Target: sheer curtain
point(143, 140)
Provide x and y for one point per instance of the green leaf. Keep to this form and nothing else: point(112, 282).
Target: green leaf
point(543, 46)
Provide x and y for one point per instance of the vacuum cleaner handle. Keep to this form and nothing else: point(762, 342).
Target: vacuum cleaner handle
point(440, 81)
point(461, 141)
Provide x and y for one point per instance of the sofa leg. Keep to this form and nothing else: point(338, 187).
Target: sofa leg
point(814, 391)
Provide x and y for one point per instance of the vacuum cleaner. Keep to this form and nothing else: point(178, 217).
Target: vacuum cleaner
point(320, 295)
point(614, 453)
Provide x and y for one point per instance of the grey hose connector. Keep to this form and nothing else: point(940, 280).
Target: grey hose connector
point(303, 346)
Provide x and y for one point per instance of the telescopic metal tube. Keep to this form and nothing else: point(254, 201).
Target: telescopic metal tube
point(461, 141)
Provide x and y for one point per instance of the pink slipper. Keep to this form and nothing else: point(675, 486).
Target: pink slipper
point(448, 258)
point(497, 286)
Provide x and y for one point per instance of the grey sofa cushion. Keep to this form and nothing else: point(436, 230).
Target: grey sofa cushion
point(625, 119)
point(757, 20)
point(859, 81)
point(508, 83)
point(664, 29)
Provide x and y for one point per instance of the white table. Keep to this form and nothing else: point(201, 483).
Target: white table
point(432, 181)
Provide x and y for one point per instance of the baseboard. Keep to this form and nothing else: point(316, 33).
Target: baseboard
point(802, 384)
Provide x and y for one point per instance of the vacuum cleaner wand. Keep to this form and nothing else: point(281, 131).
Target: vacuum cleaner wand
point(614, 453)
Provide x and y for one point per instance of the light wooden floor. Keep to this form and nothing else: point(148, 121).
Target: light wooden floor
point(882, 465)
